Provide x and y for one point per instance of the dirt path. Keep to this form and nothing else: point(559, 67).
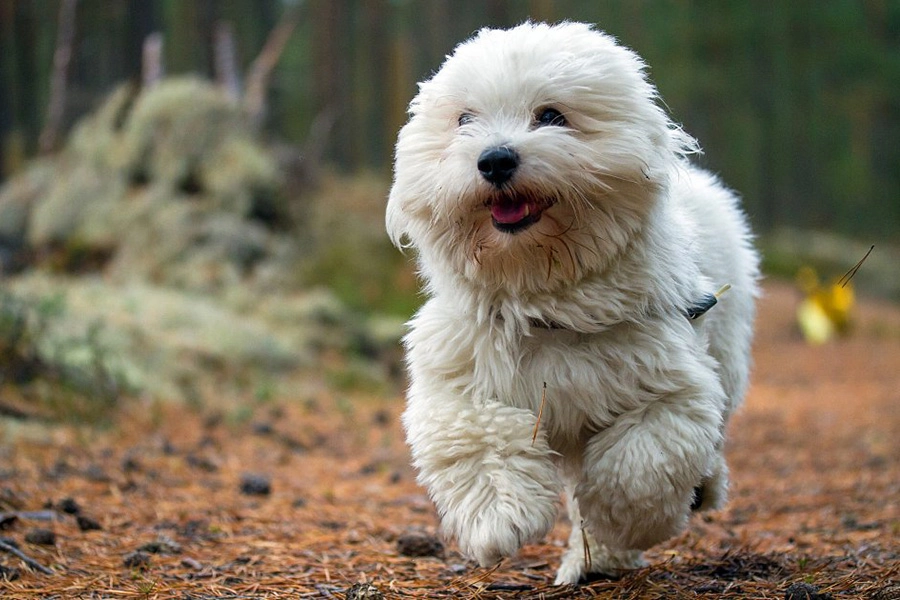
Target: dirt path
point(815, 502)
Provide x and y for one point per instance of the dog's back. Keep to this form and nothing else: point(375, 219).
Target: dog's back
point(726, 257)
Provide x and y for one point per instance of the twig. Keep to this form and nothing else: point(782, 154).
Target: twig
point(24, 558)
point(540, 414)
point(845, 279)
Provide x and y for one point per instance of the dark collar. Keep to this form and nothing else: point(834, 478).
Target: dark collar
point(692, 312)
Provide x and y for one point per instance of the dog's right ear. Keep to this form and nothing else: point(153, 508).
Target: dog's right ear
point(396, 222)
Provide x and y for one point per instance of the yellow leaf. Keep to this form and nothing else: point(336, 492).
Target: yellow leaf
point(814, 323)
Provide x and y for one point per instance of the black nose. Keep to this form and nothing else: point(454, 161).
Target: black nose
point(497, 165)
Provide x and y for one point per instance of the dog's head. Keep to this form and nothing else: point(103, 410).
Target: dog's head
point(530, 159)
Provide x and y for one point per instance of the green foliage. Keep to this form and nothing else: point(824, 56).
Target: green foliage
point(352, 255)
point(69, 378)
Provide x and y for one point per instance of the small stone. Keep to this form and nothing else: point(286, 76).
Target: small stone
point(96, 473)
point(8, 520)
point(262, 428)
point(891, 592)
point(136, 560)
point(191, 563)
point(804, 591)
point(363, 591)
point(353, 537)
point(131, 464)
point(201, 462)
point(254, 484)
point(381, 418)
point(69, 506)
point(43, 537)
point(369, 468)
point(161, 545)
point(87, 523)
point(419, 544)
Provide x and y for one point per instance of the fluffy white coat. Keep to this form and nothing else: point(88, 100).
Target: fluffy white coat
point(585, 296)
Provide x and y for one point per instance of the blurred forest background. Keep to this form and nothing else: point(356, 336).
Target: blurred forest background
point(193, 265)
point(192, 191)
point(796, 103)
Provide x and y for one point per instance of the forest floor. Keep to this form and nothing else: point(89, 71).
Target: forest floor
point(309, 497)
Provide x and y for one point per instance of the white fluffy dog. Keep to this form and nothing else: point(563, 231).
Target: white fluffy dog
point(568, 248)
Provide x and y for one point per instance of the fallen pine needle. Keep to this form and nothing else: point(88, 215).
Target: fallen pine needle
point(481, 577)
point(586, 545)
point(845, 279)
point(540, 414)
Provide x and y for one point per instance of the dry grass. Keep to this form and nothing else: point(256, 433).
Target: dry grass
point(815, 498)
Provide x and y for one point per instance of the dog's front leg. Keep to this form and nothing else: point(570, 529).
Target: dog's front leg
point(493, 488)
point(639, 474)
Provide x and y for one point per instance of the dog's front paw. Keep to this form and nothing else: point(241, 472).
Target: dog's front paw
point(497, 532)
point(498, 510)
point(495, 486)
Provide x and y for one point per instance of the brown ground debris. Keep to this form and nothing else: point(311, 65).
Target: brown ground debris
point(815, 496)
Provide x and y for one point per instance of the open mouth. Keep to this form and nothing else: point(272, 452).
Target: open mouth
point(515, 213)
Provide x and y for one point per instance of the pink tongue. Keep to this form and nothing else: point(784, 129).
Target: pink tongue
point(509, 212)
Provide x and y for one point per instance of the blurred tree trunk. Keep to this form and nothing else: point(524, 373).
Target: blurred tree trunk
point(331, 72)
point(26, 74)
point(542, 10)
point(143, 19)
point(373, 60)
point(7, 89)
point(438, 42)
point(226, 61)
point(153, 64)
point(189, 35)
point(776, 159)
point(59, 76)
point(498, 13)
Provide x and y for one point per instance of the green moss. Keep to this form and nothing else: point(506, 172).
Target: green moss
point(70, 378)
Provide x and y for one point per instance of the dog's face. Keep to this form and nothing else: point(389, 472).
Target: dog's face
point(530, 159)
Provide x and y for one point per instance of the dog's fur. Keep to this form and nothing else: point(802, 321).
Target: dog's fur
point(571, 272)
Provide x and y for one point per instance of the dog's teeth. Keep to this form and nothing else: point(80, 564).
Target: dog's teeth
point(527, 211)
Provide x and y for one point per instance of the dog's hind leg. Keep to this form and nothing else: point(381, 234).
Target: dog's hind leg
point(712, 492)
point(585, 555)
point(640, 474)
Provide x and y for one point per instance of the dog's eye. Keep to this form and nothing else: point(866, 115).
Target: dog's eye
point(551, 116)
point(465, 118)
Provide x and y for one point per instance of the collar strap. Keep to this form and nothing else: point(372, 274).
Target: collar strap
point(699, 308)
point(692, 312)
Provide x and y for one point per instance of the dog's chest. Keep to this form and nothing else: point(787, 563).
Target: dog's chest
point(583, 380)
